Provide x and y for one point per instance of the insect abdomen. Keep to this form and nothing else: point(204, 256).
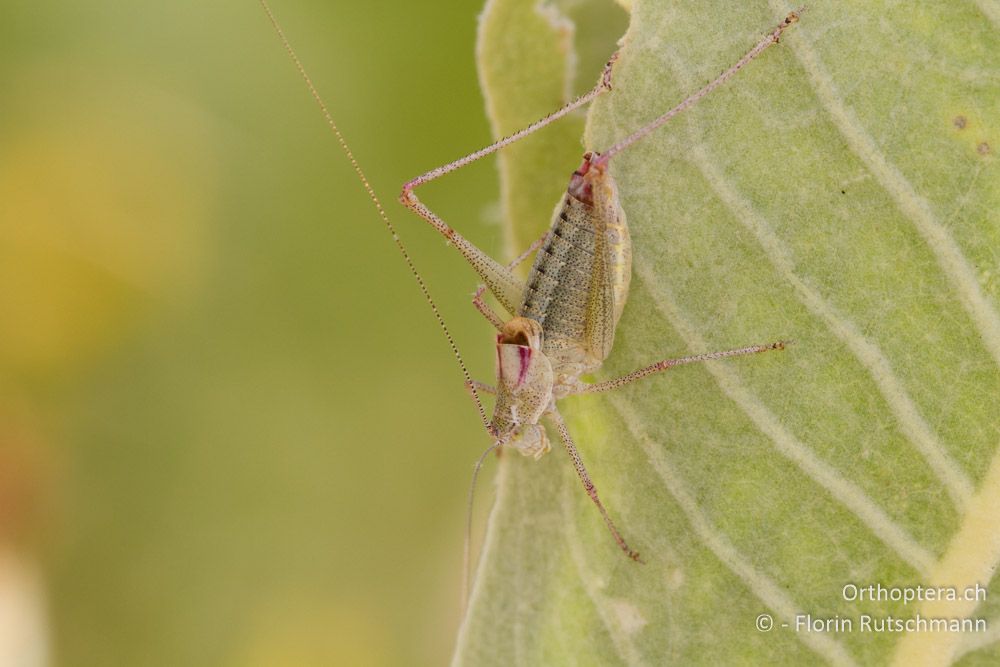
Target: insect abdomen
point(578, 283)
point(559, 284)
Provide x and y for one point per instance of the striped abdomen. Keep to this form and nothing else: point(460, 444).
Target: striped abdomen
point(579, 281)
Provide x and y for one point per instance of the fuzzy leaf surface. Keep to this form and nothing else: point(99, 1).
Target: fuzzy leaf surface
point(842, 193)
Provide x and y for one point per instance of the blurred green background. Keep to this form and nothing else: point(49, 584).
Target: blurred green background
point(230, 431)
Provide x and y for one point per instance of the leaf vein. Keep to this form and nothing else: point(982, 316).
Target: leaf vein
point(871, 357)
point(763, 587)
point(977, 642)
point(841, 489)
point(624, 646)
point(971, 558)
point(991, 9)
point(916, 208)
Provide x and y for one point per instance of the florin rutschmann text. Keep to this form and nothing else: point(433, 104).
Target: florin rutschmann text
point(889, 623)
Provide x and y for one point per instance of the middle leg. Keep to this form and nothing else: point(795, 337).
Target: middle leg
point(665, 364)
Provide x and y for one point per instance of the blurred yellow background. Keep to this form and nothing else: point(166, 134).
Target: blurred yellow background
point(230, 431)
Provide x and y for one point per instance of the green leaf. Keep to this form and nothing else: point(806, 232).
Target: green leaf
point(842, 192)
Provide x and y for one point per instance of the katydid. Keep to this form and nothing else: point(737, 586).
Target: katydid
point(564, 316)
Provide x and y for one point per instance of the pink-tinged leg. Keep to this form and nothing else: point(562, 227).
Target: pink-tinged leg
point(501, 282)
point(665, 364)
point(588, 485)
point(480, 386)
point(477, 299)
point(485, 310)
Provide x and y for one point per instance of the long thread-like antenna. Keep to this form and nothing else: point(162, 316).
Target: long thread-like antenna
point(467, 551)
point(381, 211)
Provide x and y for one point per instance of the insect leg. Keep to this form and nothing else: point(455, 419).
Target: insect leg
point(485, 310)
point(480, 386)
point(507, 288)
point(770, 39)
point(504, 285)
point(663, 365)
point(582, 100)
point(588, 485)
point(538, 243)
point(477, 299)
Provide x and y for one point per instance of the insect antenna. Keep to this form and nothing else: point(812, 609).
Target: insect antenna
point(467, 552)
point(381, 212)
